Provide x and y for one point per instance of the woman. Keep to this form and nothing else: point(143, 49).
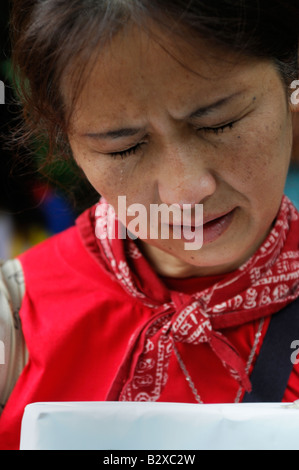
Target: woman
point(162, 103)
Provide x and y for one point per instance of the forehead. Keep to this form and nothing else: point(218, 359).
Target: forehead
point(137, 72)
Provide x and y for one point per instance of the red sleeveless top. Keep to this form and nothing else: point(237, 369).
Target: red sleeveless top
point(78, 324)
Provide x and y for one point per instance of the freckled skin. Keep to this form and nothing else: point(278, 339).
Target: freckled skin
point(136, 83)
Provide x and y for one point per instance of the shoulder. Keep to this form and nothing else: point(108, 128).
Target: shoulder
point(52, 256)
point(13, 352)
point(71, 248)
point(61, 253)
point(65, 241)
point(66, 263)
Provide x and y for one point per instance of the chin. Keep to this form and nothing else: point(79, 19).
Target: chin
point(220, 259)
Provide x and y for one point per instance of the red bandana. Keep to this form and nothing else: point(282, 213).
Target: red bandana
point(262, 286)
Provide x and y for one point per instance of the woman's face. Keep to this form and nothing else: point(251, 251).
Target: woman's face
point(197, 128)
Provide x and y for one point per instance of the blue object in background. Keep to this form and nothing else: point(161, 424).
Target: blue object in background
point(292, 185)
point(57, 212)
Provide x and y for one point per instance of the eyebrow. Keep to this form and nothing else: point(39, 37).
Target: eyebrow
point(133, 131)
point(115, 134)
point(203, 111)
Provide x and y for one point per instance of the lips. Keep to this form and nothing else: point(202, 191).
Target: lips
point(213, 225)
point(214, 228)
point(214, 218)
point(206, 220)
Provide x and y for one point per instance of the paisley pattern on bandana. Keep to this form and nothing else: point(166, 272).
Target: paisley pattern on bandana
point(265, 284)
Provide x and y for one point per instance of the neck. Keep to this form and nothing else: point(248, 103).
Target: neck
point(167, 265)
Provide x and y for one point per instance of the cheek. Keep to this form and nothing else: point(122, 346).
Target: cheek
point(96, 171)
point(258, 159)
point(110, 177)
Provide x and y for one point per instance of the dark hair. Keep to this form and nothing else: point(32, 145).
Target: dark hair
point(48, 35)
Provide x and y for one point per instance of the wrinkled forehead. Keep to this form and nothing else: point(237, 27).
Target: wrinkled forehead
point(135, 62)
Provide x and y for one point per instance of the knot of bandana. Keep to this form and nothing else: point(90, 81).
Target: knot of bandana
point(265, 284)
point(192, 324)
point(186, 323)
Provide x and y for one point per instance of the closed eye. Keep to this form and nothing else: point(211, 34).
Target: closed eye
point(127, 152)
point(133, 150)
point(218, 129)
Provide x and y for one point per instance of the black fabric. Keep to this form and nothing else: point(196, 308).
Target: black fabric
point(273, 367)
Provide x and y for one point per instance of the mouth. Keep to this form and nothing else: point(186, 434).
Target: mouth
point(213, 226)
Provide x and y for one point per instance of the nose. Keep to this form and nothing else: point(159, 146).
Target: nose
point(184, 179)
